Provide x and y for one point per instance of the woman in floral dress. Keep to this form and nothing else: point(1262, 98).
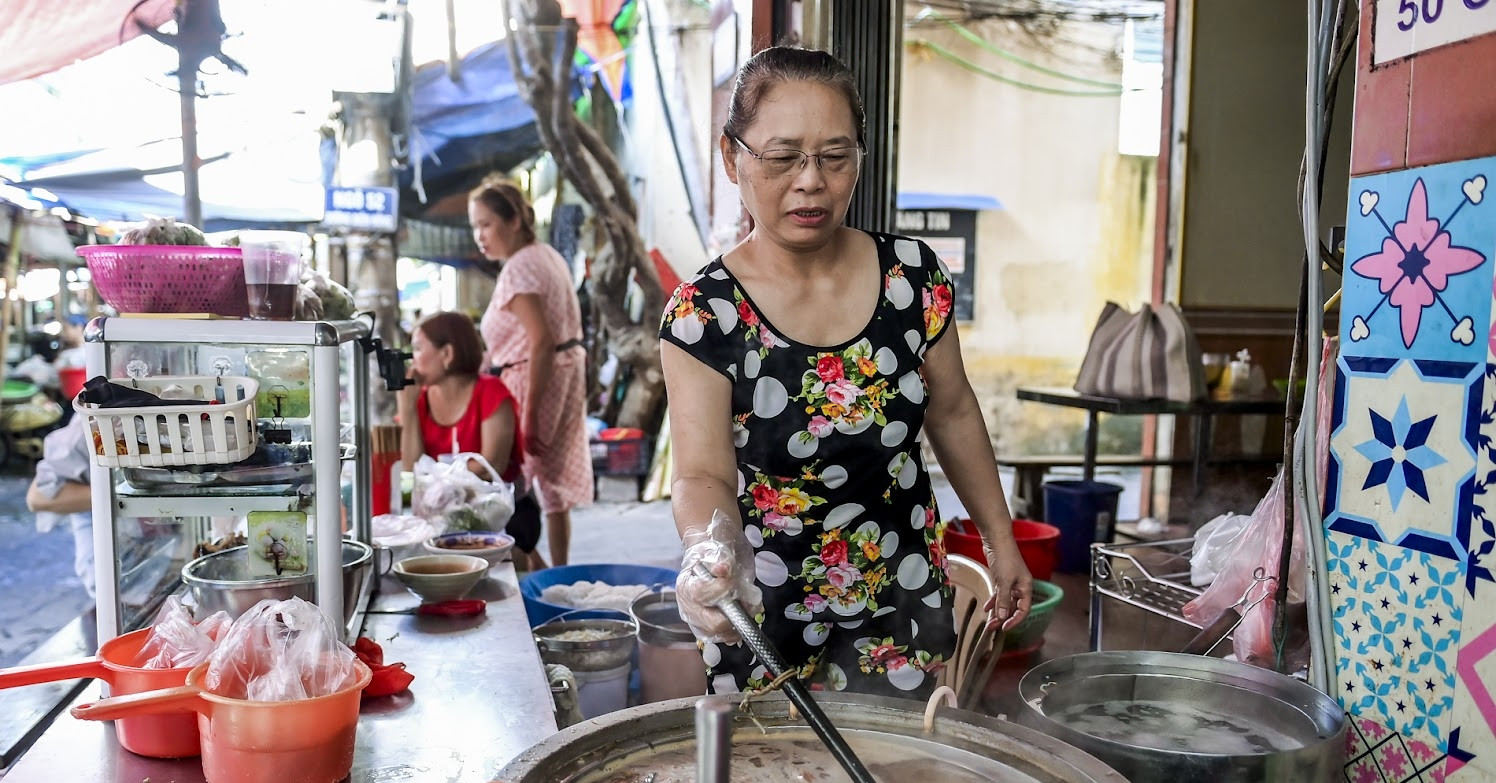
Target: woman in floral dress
point(800, 366)
point(533, 329)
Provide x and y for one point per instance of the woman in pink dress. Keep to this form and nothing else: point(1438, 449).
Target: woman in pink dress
point(533, 328)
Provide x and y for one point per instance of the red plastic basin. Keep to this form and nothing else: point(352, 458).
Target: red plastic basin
point(1038, 543)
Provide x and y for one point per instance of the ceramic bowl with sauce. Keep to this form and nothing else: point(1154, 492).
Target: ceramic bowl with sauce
point(493, 547)
point(436, 578)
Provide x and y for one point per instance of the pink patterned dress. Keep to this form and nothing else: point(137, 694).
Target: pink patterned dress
point(563, 476)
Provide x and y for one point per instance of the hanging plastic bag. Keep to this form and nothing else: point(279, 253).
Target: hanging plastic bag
point(1213, 544)
point(176, 640)
point(281, 651)
point(450, 494)
point(1259, 550)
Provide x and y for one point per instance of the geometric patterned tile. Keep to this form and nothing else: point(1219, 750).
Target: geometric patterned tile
point(1482, 541)
point(1403, 452)
point(1418, 246)
point(1376, 755)
point(1397, 621)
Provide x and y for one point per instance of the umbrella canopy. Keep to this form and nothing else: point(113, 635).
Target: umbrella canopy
point(35, 39)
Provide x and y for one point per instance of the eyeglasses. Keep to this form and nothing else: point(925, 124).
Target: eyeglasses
point(783, 162)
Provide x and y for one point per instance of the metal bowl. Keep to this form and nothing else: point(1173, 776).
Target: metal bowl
point(220, 582)
point(611, 649)
point(1171, 716)
point(657, 742)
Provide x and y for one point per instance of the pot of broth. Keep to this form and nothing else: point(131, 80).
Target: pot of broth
point(1177, 717)
point(657, 743)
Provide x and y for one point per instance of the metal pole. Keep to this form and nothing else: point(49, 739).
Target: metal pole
point(192, 204)
point(713, 740)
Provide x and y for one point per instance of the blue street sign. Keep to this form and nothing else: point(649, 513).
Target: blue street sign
point(369, 209)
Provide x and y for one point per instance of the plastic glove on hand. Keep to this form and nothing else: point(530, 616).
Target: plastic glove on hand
point(717, 565)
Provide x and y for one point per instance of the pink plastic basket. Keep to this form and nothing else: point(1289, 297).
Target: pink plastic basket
point(169, 278)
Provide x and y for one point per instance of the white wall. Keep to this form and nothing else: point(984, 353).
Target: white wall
point(665, 217)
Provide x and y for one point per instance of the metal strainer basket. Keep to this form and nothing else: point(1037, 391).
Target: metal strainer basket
point(587, 645)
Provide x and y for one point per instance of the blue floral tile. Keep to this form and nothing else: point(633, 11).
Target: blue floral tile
point(1418, 250)
point(1403, 452)
point(1397, 620)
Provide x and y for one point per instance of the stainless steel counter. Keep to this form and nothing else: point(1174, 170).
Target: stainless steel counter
point(478, 700)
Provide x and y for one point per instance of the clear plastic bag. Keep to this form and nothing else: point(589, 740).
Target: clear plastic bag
point(717, 562)
point(450, 494)
point(1213, 544)
point(176, 640)
point(1260, 546)
point(281, 651)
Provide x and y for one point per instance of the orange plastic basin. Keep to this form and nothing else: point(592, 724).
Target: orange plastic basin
point(303, 741)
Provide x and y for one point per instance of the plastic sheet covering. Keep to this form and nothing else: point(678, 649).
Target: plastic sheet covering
point(281, 651)
point(176, 640)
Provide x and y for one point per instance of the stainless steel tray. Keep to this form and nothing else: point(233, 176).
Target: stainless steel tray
point(293, 473)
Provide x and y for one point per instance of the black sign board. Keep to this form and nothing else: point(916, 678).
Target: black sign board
point(952, 234)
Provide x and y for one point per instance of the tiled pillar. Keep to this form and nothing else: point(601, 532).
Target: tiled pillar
point(1411, 527)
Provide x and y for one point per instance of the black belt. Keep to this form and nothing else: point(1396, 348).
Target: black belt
point(575, 342)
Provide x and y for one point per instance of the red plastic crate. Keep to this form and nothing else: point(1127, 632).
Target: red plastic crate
point(624, 457)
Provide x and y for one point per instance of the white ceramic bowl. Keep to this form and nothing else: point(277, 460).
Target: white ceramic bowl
point(493, 547)
point(440, 577)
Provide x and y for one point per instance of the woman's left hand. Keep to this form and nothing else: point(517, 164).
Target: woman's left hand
point(1012, 586)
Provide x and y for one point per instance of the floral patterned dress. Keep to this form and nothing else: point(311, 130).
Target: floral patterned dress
point(832, 485)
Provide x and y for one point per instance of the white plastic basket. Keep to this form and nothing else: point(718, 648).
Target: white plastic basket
point(174, 435)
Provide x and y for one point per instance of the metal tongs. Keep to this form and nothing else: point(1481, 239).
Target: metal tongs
point(798, 694)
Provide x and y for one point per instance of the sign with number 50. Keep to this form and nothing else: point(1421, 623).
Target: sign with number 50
point(1405, 27)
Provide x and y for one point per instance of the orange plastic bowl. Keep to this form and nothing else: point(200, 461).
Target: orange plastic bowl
point(163, 736)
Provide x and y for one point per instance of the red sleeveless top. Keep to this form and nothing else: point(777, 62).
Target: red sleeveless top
point(488, 394)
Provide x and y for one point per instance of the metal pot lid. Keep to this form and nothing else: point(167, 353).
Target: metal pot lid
point(656, 742)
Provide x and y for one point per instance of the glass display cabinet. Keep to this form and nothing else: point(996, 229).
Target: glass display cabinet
point(308, 425)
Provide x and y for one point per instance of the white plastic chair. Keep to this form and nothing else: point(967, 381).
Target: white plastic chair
point(967, 672)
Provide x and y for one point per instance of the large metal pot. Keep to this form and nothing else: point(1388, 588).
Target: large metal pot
point(221, 582)
point(1168, 716)
point(657, 742)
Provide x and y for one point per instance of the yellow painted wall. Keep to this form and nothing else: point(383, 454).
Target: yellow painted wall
point(1077, 224)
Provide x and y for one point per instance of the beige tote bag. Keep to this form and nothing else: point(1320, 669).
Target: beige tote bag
point(1148, 355)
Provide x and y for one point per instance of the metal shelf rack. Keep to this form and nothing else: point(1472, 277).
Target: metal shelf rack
point(1152, 576)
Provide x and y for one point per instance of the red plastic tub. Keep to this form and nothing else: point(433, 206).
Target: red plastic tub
point(70, 381)
point(1038, 543)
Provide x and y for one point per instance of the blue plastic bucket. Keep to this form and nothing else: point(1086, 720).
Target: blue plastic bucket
point(531, 585)
point(1085, 512)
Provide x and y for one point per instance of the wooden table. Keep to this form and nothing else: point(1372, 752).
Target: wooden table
point(1203, 410)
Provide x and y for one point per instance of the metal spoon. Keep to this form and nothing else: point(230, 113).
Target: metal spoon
point(798, 694)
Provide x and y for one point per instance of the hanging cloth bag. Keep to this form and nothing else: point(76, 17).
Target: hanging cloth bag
point(1148, 355)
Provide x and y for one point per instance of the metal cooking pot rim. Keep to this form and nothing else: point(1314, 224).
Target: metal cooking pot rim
point(189, 575)
point(596, 740)
point(1152, 663)
point(626, 633)
point(655, 602)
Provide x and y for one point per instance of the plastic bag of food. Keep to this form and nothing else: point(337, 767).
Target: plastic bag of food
point(718, 562)
point(403, 533)
point(281, 651)
point(452, 495)
point(176, 640)
point(162, 231)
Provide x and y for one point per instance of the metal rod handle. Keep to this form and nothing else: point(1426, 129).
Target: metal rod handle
point(753, 635)
point(713, 740)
